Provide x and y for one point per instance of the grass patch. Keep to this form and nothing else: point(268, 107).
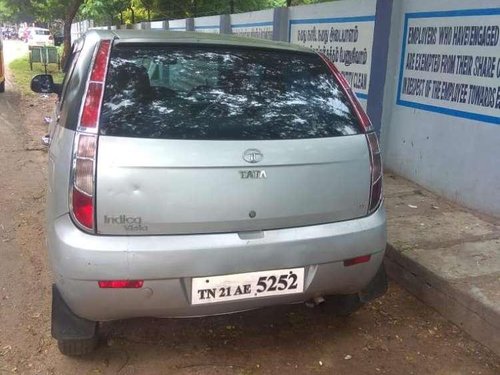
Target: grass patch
point(20, 69)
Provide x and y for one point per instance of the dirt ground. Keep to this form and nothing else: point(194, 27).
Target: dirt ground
point(394, 335)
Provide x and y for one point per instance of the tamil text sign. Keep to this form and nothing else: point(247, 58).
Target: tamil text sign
point(262, 30)
point(347, 41)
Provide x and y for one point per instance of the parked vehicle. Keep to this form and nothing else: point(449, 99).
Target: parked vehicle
point(37, 36)
point(194, 175)
point(2, 69)
point(58, 39)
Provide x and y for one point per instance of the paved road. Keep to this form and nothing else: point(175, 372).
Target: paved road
point(394, 335)
point(13, 49)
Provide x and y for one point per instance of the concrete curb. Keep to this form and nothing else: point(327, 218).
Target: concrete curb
point(480, 321)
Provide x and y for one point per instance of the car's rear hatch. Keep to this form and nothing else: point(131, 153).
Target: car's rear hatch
point(41, 36)
point(213, 139)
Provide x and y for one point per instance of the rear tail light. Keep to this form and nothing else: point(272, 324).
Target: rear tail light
point(376, 172)
point(358, 109)
point(121, 284)
point(357, 260)
point(91, 107)
point(364, 120)
point(95, 89)
point(82, 191)
point(82, 187)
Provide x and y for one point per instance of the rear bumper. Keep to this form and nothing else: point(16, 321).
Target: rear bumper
point(167, 264)
point(32, 44)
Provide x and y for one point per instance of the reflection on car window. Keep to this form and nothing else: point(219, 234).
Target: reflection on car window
point(222, 93)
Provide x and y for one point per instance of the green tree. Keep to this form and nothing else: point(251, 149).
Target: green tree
point(105, 11)
point(197, 8)
point(6, 12)
point(148, 5)
point(64, 10)
point(132, 11)
point(172, 9)
point(16, 11)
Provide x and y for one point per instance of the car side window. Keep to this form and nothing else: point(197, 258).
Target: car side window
point(69, 67)
point(67, 77)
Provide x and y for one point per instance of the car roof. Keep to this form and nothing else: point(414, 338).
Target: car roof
point(189, 37)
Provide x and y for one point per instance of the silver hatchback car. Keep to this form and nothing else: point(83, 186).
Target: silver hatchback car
point(195, 174)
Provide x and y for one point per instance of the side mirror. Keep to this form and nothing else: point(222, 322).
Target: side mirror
point(43, 84)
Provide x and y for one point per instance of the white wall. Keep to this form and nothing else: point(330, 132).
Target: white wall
point(79, 28)
point(456, 153)
point(177, 25)
point(209, 24)
point(157, 25)
point(253, 24)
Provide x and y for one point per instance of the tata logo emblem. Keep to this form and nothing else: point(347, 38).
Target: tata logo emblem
point(252, 155)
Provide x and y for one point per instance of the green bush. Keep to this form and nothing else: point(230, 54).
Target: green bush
point(22, 74)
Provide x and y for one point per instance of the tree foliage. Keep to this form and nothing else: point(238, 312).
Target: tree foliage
point(112, 12)
point(105, 11)
point(14, 11)
point(132, 11)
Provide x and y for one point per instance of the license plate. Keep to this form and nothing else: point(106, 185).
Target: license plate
point(248, 285)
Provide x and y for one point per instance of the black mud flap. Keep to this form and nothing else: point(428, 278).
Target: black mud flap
point(376, 288)
point(65, 324)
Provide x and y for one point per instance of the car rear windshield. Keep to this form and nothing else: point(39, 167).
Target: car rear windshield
point(216, 93)
point(42, 32)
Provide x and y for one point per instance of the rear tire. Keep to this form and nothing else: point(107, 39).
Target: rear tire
point(78, 347)
point(2, 86)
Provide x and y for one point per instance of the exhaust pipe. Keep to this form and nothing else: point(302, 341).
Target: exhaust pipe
point(315, 302)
